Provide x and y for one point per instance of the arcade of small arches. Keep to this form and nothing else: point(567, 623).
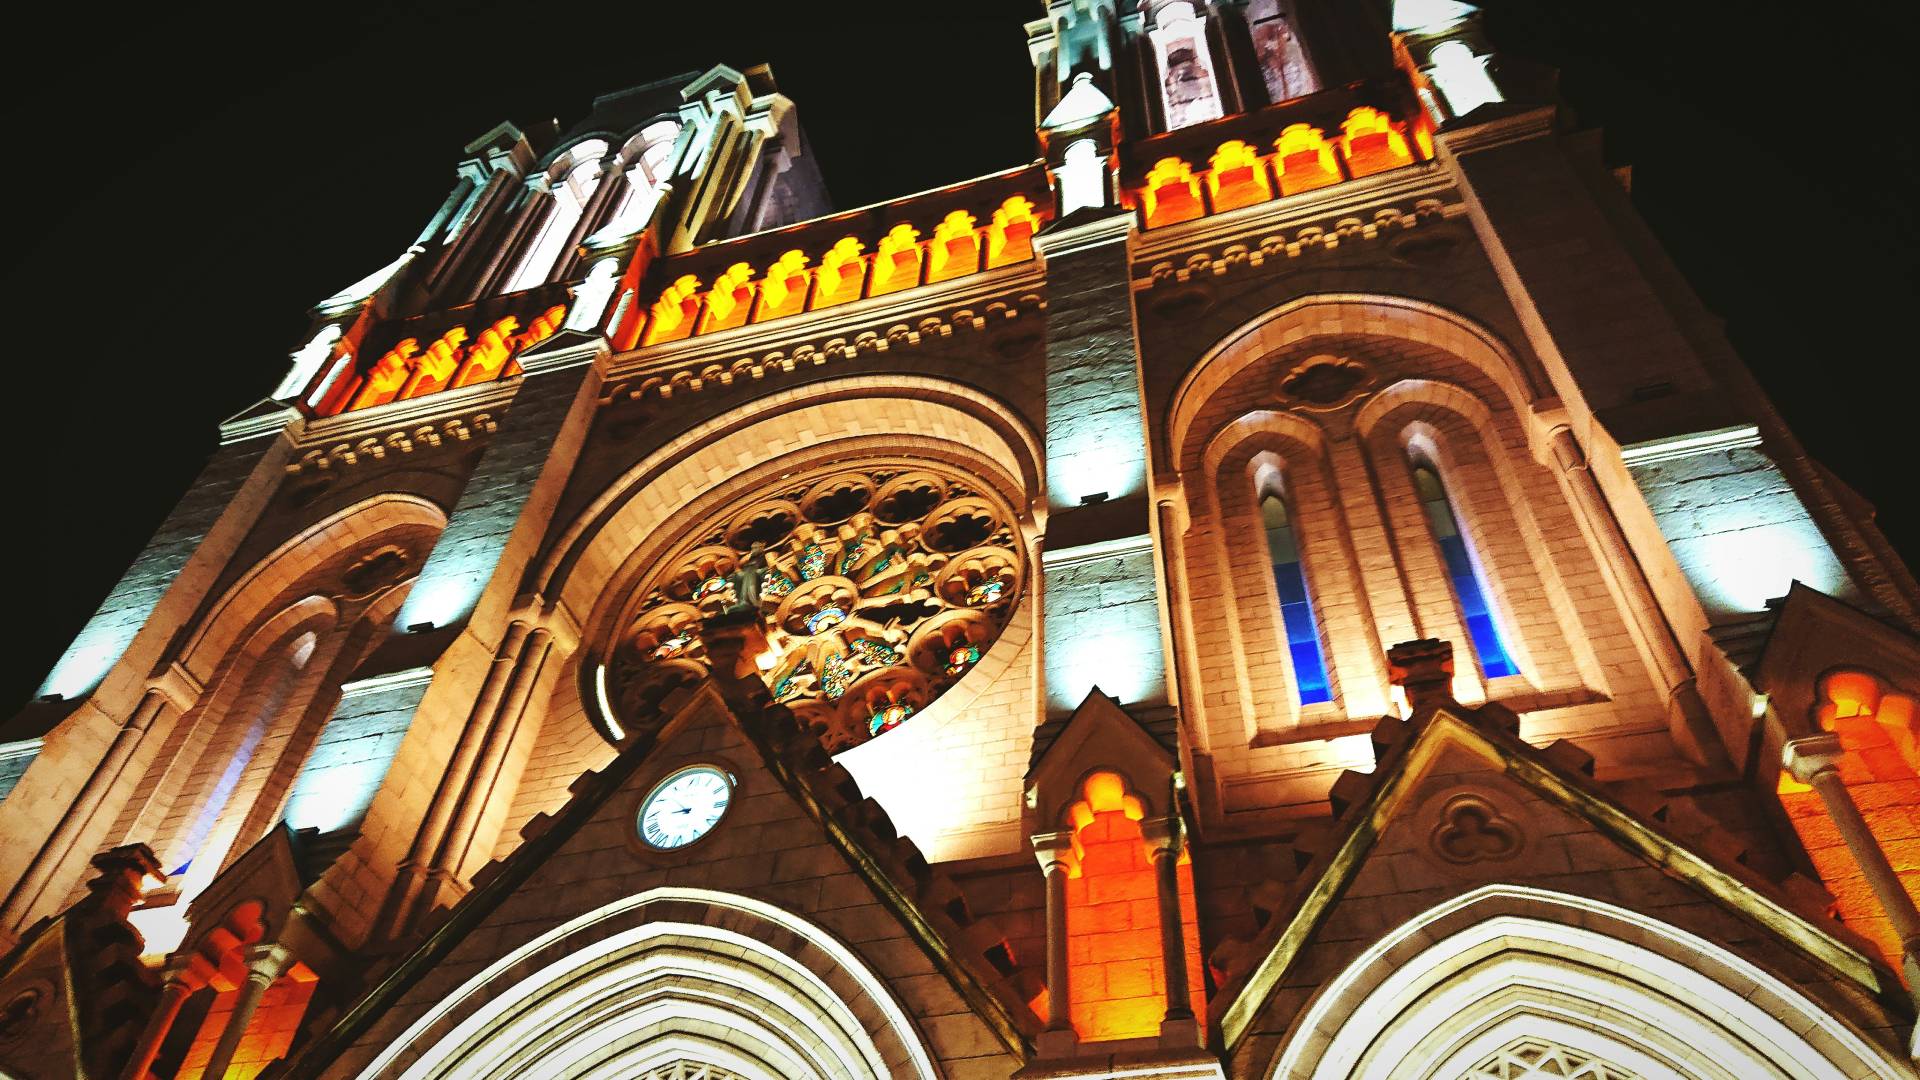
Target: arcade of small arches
point(877, 587)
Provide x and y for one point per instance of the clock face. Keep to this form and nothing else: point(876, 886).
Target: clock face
point(685, 807)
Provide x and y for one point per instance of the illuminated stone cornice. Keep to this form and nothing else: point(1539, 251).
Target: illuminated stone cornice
point(1499, 131)
point(400, 427)
point(1674, 447)
point(873, 324)
point(1239, 250)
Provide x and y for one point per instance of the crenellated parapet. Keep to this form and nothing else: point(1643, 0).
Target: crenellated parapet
point(942, 236)
point(1315, 142)
point(443, 350)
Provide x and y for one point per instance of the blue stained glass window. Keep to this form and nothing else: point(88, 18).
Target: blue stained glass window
point(1467, 585)
point(1296, 607)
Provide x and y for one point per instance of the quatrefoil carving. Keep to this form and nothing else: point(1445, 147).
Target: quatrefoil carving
point(1472, 829)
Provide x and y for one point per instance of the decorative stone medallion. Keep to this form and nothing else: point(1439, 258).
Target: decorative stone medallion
point(1324, 383)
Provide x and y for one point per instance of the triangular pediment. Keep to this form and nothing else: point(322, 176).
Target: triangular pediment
point(38, 1016)
point(1098, 736)
point(1814, 634)
point(796, 835)
point(269, 873)
point(1455, 806)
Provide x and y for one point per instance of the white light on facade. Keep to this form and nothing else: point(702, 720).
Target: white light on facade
point(1462, 77)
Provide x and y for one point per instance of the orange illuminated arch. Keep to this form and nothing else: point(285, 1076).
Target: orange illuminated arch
point(730, 300)
point(1305, 159)
point(1880, 766)
point(1371, 142)
point(1171, 194)
point(842, 272)
point(1010, 236)
point(1118, 977)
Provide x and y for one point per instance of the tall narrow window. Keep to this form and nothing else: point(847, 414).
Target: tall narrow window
point(1467, 584)
point(1296, 607)
point(644, 178)
point(569, 198)
point(1188, 86)
point(1283, 59)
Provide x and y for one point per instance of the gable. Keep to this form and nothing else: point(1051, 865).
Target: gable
point(796, 882)
point(1455, 808)
point(37, 1037)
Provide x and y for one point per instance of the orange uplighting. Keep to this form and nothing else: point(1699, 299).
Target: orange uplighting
point(1306, 161)
point(842, 270)
point(388, 374)
point(896, 265)
point(1010, 237)
point(1117, 980)
point(1878, 767)
point(269, 1035)
point(1171, 193)
point(673, 312)
point(730, 300)
point(1236, 177)
point(955, 249)
point(452, 361)
point(784, 292)
point(1372, 143)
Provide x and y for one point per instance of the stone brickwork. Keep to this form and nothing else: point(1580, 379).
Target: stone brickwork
point(385, 686)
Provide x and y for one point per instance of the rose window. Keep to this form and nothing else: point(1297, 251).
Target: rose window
point(877, 590)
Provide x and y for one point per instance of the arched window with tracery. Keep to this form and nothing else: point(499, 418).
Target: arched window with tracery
point(573, 187)
point(1463, 572)
point(877, 589)
point(1301, 628)
point(650, 161)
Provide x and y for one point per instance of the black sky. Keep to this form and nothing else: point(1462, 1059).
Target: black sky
point(186, 181)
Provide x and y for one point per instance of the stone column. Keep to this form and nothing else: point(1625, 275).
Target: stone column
point(1646, 620)
point(264, 965)
point(1815, 761)
point(1054, 851)
point(501, 734)
point(181, 980)
point(1163, 836)
point(539, 202)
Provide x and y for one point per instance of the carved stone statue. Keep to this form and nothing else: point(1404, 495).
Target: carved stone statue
point(746, 579)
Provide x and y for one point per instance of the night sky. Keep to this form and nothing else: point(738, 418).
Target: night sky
point(192, 178)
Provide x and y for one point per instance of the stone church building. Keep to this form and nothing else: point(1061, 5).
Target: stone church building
point(1287, 584)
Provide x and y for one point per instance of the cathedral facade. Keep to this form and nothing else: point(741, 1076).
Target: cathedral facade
point(1287, 584)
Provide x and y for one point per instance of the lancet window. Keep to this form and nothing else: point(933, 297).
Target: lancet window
point(1463, 571)
point(1189, 87)
point(645, 176)
point(1296, 605)
point(568, 201)
point(877, 591)
point(1283, 59)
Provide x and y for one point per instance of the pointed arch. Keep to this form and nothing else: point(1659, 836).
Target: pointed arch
point(1503, 964)
point(665, 976)
point(251, 596)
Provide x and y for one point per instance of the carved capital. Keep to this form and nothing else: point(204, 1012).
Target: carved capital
point(1808, 757)
point(1054, 850)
